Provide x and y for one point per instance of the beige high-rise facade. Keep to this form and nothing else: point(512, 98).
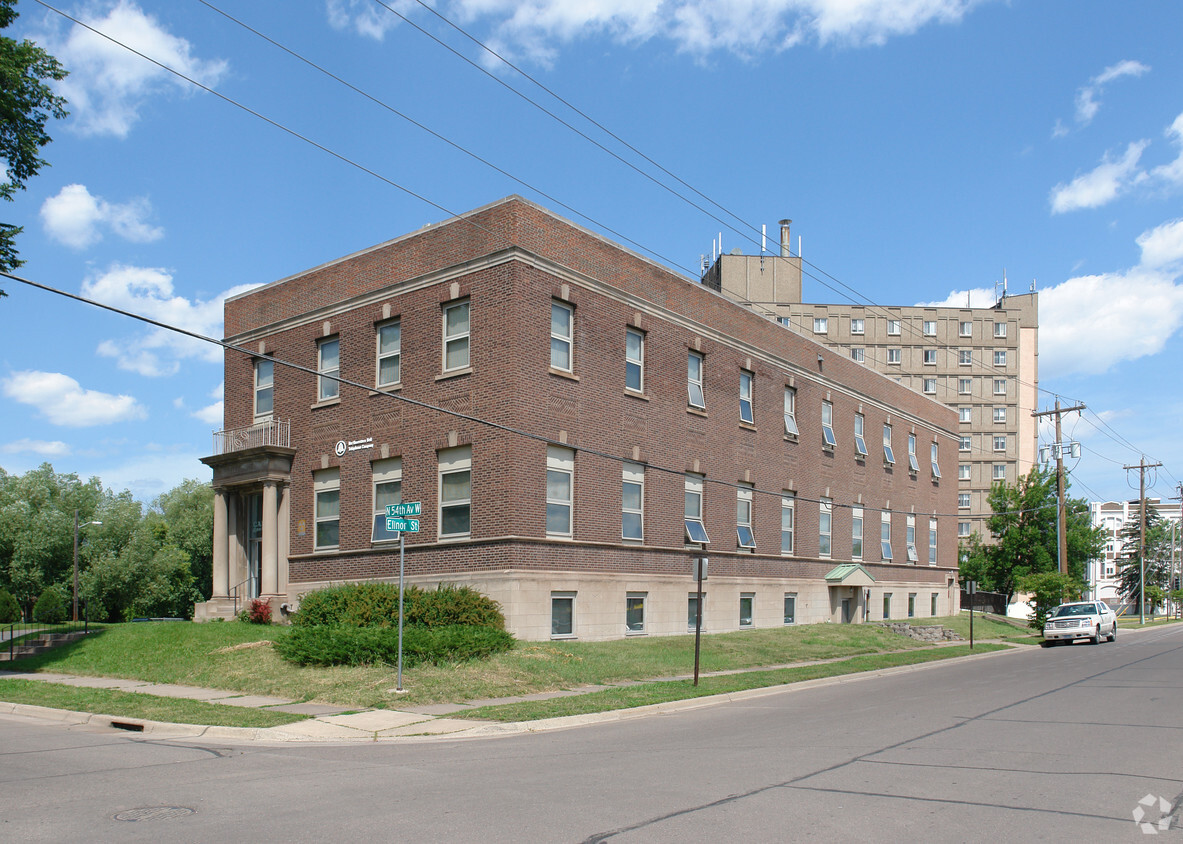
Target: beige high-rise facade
point(984, 362)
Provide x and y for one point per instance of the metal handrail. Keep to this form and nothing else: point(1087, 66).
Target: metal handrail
point(18, 629)
point(234, 593)
point(270, 432)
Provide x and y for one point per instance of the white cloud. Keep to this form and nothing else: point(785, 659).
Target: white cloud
point(1172, 173)
point(979, 297)
point(153, 471)
point(1087, 104)
point(212, 414)
point(62, 400)
point(74, 217)
point(108, 84)
point(1162, 246)
point(148, 291)
point(46, 448)
point(1109, 180)
point(534, 28)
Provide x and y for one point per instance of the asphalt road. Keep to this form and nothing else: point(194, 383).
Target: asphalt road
point(1038, 744)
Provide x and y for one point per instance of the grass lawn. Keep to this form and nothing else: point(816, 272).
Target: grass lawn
point(1132, 621)
point(237, 656)
point(1013, 630)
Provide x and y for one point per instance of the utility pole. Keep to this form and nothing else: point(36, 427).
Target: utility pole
point(1142, 467)
point(1058, 449)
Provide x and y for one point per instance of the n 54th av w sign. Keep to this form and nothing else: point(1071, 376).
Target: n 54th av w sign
point(396, 516)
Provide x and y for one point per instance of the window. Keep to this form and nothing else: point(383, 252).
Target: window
point(1000, 471)
point(932, 543)
point(911, 539)
point(963, 500)
point(694, 380)
point(860, 441)
point(634, 612)
point(745, 397)
point(743, 516)
point(632, 506)
point(790, 412)
point(1000, 386)
point(562, 324)
point(825, 527)
point(930, 357)
point(328, 367)
point(692, 611)
point(560, 475)
point(1000, 329)
point(790, 608)
point(1000, 442)
point(893, 355)
point(964, 414)
point(858, 355)
point(885, 536)
point(745, 609)
point(695, 530)
point(1000, 357)
point(456, 336)
point(264, 388)
point(787, 517)
point(964, 385)
point(913, 466)
point(455, 491)
point(887, 605)
point(965, 329)
point(388, 489)
point(390, 345)
point(965, 357)
point(963, 529)
point(821, 325)
point(933, 610)
point(930, 328)
point(562, 613)
point(911, 605)
point(964, 444)
point(963, 471)
point(1000, 415)
point(828, 425)
point(857, 326)
point(934, 455)
point(326, 486)
point(888, 454)
point(856, 534)
point(930, 386)
point(634, 361)
point(893, 327)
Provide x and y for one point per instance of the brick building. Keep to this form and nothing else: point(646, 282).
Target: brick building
point(578, 423)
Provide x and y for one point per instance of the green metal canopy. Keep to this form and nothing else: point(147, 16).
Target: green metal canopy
point(849, 574)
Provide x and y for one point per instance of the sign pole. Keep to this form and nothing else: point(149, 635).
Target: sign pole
point(700, 565)
point(402, 548)
point(397, 519)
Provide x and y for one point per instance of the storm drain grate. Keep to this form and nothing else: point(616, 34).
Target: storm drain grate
point(155, 813)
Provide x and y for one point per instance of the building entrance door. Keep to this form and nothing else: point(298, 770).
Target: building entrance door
point(254, 541)
point(846, 616)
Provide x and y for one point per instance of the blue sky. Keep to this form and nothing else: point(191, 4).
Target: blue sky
point(923, 148)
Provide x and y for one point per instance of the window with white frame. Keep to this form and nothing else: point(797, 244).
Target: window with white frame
point(745, 397)
point(934, 457)
point(787, 519)
point(963, 529)
point(562, 336)
point(893, 327)
point(963, 500)
point(857, 326)
point(388, 489)
point(930, 386)
point(790, 412)
point(930, 357)
point(692, 620)
point(930, 328)
point(560, 481)
point(634, 361)
point(825, 527)
point(821, 325)
point(743, 516)
point(390, 352)
point(326, 487)
point(1000, 442)
point(913, 557)
point(999, 472)
point(965, 357)
point(885, 535)
point(696, 531)
point(963, 471)
point(1000, 414)
point(746, 600)
point(632, 506)
point(455, 491)
point(1000, 386)
point(828, 425)
point(860, 439)
point(894, 355)
point(695, 395)
point(1000, 357)
point(964, 414)
point(562, 613)
point(856, 533)
point(858, 355)
point(1000, 329)
point(328, 368)
point(790, 608)
point(965, 329)
point(913, 465)
point(634, 612)
point(456, 336)
point(264, 388)
point(888, 454)
point(932, 542)
point(964, 444)
point(964, 386)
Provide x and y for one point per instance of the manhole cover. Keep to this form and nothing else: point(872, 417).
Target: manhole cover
point(155, 813)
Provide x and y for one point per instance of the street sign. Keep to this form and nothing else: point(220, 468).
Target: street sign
point(400, 511)
point(402, 525)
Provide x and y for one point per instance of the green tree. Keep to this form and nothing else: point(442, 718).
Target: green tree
point(188, 514)
point(1158, 555)
point(1048, 590)
point(26, 105)
point(50, 608)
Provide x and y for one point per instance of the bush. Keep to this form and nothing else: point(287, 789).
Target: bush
point(376, 605)
point(257, 611)
point(342, 645)
point(10, 610)
point(1048, 590)
point(50, 608)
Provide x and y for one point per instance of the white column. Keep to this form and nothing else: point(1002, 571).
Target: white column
point(270, 556)
point(221, 548)
point(284, 529)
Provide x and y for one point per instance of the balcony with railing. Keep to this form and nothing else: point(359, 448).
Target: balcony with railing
point(271, 432)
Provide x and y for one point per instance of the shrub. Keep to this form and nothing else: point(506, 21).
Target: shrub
point(258, 611)
point(50, 608)
point(10, 610)
point(342, 645)
point(1048, 590)
point(448, 604)
point(376, 605)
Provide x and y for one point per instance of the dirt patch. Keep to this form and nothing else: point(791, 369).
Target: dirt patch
point(245, 646)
